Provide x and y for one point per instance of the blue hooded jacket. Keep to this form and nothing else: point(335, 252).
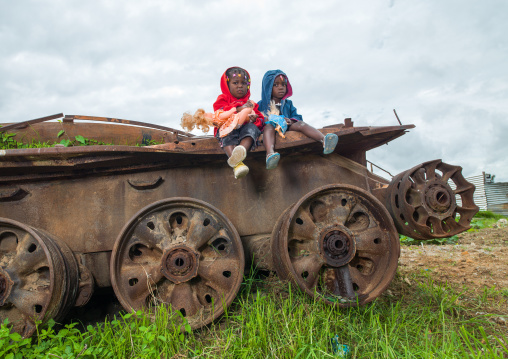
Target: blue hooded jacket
point(287, 108)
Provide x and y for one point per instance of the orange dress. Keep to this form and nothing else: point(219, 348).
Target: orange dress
point(228, 124)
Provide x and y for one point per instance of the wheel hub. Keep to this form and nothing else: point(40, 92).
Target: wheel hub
point(337, 245)
point(439, 198)
point(5, 286)
point(179, 264)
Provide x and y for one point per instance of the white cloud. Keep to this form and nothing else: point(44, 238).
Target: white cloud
point(441, 64)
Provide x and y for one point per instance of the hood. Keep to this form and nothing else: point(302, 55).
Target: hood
point(226, 101)
point(226, 96)
point(266, 89)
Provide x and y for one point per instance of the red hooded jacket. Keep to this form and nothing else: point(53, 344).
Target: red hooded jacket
point(226, 102)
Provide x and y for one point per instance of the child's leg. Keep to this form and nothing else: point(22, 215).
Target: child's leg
point(236, 156)
point(272, 158)
point(269, 138)
point(238, 142)
point(307, 130)
point(230, 145)
point(228, 150)
point(247, 134)
point(329, 141)
point(247, 142)
point(238, 153)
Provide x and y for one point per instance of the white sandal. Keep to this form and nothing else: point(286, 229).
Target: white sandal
point(237, 156)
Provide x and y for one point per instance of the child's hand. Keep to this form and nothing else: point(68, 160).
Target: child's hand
point(288, 121)
point(248, 104)
point(252, 118)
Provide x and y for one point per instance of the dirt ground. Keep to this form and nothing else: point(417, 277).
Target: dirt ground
point(477, 265)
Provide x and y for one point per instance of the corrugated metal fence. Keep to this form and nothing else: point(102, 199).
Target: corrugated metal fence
point(497, 197)
point(487, 195)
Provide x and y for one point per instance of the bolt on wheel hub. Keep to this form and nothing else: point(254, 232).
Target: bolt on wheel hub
point(5, 286)
point(438, 198)
point(180, 264)
point(337, 246)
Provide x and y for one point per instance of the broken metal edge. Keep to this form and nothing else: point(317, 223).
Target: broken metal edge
point(198, 146)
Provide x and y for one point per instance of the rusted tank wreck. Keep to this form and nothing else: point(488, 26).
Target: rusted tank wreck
point(169, 224)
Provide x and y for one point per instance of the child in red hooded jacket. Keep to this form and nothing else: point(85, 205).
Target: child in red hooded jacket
point(235, 86)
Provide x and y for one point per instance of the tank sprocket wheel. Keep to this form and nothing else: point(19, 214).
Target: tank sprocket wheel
point(423, 204)
point(183, 253)
point(38, 277)
point(337, 243)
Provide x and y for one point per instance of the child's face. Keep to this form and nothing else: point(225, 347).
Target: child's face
point(279, 88)
point(238, 86)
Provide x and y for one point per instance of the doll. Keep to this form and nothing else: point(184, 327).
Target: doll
point(276, 120)
point(225, 121)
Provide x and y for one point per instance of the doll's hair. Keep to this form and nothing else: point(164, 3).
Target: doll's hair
point(272, 110)
point(198, 120)
point(237, 71)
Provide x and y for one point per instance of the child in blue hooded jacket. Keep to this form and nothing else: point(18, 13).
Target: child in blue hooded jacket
point(281, 116)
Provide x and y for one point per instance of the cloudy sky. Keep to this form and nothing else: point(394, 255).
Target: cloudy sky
point(442, 64)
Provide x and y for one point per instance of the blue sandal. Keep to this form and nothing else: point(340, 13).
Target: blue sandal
point(272, 161)
point(329, 143)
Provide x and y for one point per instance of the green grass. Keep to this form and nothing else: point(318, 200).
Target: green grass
point(8, 142)
point(490, 215)
point(483, 219)
point(272, 320)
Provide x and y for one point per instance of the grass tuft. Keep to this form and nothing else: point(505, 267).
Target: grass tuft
point(272, 319)
point(8, 142)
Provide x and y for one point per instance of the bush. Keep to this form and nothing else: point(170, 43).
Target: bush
point(489, 214)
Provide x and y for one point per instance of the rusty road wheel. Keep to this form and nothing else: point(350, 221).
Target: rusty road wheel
point(179, 252)
point(423, 204)
point(38, 277)
point(337, 243)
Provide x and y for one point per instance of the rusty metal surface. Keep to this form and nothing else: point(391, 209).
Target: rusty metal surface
point(423, 205)
point(338, 243)
point(11, 126)
point(46, 163)
point(38, 277)
point(127, 122)
point(97, 263)
point(168, 224)
point(258, 254)
point(100, 132)
point(71, 118)
point(86, 285)
point(89, 212)
point(179, 252)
